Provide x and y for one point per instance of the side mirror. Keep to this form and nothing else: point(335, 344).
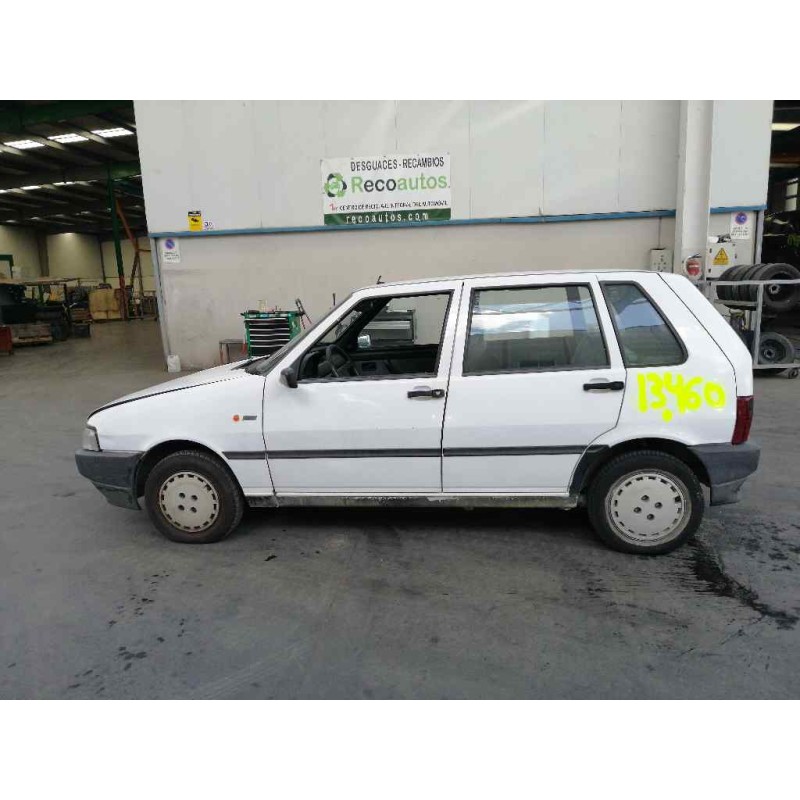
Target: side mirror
point(289, 377)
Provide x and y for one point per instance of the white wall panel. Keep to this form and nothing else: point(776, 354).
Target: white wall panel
point(740, 142)
point(166, 157)
point(268, 174)
point(648, 169)
point(581, 157)
point(506, 154)
point(359, 128)
point(302, 147)
point(222, 146)
point(439, 127)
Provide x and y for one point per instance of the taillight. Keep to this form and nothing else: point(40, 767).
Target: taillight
point(744, 419)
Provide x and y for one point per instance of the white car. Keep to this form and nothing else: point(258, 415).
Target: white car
point(620, 391)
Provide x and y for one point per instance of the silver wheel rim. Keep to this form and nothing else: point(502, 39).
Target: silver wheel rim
point(189, 502)
point(648, 507)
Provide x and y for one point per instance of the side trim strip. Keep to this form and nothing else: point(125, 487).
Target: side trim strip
point(387, 453)
point(451, 452)
point(569, 449)
point(245, 455)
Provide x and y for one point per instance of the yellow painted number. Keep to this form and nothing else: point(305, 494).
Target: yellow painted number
point(657, 388)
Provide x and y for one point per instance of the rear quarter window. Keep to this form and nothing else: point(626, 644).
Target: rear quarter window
point(645, 337)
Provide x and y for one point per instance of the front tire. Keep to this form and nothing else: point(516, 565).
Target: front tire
point(191, 498)
point(645, 502)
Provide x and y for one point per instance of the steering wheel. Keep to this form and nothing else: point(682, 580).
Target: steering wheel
point(334, 353)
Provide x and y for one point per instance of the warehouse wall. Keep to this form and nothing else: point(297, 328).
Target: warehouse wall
point(219, 277)
point(254, 164)
point(250, 166)
point(20, 243)
point(74, 255)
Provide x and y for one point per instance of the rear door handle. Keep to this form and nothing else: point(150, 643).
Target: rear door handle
point(605, 386)
point(425, 391)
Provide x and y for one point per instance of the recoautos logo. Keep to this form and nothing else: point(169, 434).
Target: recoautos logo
point(335, 186)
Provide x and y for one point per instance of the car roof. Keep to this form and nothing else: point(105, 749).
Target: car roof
point(517, 274)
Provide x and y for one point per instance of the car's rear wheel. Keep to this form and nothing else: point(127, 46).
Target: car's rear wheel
point(645, 502)
point(190, 497)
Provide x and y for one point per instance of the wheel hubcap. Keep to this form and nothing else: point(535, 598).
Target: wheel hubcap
point(648, 507)
point(188, 501)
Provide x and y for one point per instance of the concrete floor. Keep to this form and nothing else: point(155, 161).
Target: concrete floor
point(370, 604)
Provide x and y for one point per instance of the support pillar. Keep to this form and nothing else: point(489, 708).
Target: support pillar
point(694, 181)
point(44, 254)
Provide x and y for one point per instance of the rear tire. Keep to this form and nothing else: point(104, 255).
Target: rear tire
point(191, 498)
point(645, 502)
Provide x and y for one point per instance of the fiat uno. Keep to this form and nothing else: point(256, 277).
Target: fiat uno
point(624, 392)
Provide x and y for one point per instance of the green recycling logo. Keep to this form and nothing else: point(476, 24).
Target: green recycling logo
point(335, 185)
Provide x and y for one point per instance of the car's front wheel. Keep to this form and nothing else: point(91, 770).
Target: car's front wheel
point(645, 502)
point(190, 497)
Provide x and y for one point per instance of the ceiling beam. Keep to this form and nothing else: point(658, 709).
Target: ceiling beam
point(73, 173)
point(18, 119)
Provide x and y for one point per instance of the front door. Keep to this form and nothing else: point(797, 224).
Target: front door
point(537, 376)
point(366, 416)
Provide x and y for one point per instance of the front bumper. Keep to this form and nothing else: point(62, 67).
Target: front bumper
point(113, 473)
point(728, 466)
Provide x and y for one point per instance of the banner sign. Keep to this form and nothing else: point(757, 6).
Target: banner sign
point(385, 190)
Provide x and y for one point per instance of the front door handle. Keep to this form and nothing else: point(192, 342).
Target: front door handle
point(604, 386)
point(425, 391)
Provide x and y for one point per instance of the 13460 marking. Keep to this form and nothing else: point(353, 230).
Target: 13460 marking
point(655, 389)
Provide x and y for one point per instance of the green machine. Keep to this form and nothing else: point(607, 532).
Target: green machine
point(267, 331)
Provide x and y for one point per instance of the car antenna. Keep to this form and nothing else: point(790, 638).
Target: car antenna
point(380, 280)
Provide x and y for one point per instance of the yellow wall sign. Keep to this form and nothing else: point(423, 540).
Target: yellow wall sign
point(721, 258)
point(688, 394)
point(195, 220)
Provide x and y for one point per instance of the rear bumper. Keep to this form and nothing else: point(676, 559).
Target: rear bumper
point(113, 474)
point(728, 466)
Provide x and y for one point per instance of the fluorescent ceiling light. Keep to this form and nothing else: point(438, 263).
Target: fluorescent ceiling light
point(23, 144)
point(64, 183)
point(785, 126)
point(108, 133)
point(28, 188)
point(67, 138)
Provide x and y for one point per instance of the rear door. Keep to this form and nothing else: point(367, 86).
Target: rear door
point(537, 376)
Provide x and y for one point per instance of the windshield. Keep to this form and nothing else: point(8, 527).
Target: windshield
point(265, 364)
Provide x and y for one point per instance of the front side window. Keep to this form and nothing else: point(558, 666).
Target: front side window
point(381, 337)
point(645, 338)
point(529, 329)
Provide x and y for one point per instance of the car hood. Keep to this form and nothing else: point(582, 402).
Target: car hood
point(226, 372)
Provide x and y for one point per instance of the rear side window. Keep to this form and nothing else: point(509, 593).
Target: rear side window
point(645, 338)
point(528, 329)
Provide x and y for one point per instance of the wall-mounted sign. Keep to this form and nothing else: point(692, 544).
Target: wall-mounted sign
point(385, 190)
point(195, 219)
point(170, 251)
point(741, 225)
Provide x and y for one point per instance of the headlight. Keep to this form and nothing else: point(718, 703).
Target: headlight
point(90, 441)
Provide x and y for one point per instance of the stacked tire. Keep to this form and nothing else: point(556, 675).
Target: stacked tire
point(778, 298)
